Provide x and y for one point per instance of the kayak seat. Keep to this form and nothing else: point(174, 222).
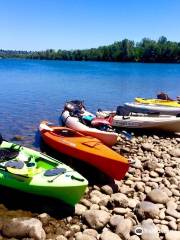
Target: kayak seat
point(65, 132)
point(54, 172)
point(15, 164)
point(122, 111)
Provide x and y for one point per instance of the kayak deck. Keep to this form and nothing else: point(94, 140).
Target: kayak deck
point(67, 185)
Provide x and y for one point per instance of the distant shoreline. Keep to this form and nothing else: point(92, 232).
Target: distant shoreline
point(146, 51)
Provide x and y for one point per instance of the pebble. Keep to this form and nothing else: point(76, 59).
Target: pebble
point(80, 209)
point(107, 189)
point(172, 225)
point(150, 231)
point(96, 219)
point(119, 200)
point(172, 235)
point(158, 196)
point(147, 209)
point(120, 210)
point(91, 232)
point(115, 219)
point(109, 236)
point(123, 228)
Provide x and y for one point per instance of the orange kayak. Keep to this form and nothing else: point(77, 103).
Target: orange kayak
point(86, 148)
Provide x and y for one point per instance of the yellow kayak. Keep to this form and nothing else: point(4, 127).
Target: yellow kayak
point(170, 103)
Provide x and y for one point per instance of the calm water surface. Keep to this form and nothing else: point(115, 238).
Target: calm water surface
point(33, 90)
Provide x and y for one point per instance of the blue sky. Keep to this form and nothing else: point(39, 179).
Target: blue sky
point(72, 24)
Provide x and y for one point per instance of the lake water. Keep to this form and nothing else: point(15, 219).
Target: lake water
point(33, 90)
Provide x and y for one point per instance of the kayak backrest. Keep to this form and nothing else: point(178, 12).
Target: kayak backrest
point(8, 154)
point(122, 111)
point(66, 133)
point(74, 104)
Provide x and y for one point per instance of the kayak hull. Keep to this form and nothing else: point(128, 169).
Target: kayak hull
point(144, 121)
point(88, 149)
point(108, 138)
point(61, 187)
point(146, 108)
point(170, 103)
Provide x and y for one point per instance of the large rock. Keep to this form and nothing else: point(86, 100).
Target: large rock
point(115, 219)
point(82, 236)
point(96, 219)
point(80, 209)
point(147, 146)
point(119, 200)
point(175, 152)
point(107, 189)
point(123, 228)
point(172, 235)
point(147, 209)
point(99, 198)
point(173, 212)
point(150, 165)
point(23, 227)
point(107, 235)
point(150, 231)
point(91, 232)
point(158, 196)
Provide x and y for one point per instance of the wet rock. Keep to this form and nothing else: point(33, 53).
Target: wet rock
point(18, 138)
point(147, 209)
point(119, 200)
point(158, 196)
point(23, 227)
point(172, 235)
point(123, 228)
point(107, 235)
point(96, 219)
point(150, 231)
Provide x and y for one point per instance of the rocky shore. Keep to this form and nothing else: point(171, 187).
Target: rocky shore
point(145, 205)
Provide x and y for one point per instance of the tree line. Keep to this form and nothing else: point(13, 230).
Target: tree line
point(147, 50)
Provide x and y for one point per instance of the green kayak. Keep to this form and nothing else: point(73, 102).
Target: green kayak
point(33, 172)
